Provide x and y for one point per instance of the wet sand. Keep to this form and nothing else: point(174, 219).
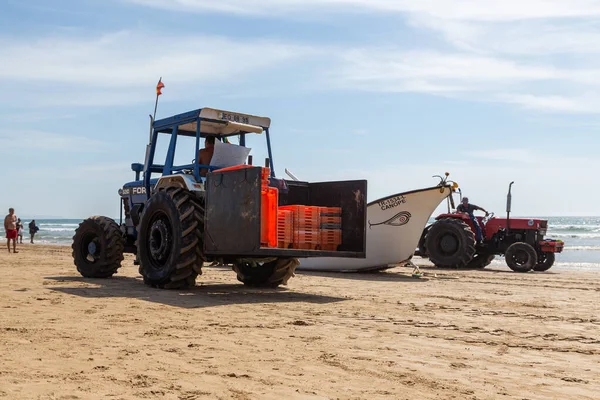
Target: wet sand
point(448, 335)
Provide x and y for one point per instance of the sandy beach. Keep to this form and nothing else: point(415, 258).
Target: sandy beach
point(450, 334)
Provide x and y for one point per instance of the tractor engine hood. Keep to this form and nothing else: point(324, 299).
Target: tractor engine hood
point(519, 224)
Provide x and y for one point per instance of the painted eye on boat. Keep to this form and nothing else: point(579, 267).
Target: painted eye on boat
point(399, 219)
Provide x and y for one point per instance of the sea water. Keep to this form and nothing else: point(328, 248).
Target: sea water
point(580, 234)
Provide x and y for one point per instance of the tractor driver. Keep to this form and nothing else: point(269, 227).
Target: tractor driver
point(205, 154)
point(467, 208)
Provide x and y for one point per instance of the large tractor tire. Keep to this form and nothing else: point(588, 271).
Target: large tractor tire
point(98, 247)
point(481, 261)
point(521, 257)
point(268, 274)
point(170, 239)
point(545, 261)
point(450, 243)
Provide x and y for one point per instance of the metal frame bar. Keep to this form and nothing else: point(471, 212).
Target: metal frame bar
point(270, 154)
point(149, 167)
point(168, 169)
point(197, 163)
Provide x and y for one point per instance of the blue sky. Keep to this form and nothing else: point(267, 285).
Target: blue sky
point(389, 91)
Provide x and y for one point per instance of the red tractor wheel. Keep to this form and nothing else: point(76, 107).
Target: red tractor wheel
point(521, 257)
point(450, 243)
point(545, 261)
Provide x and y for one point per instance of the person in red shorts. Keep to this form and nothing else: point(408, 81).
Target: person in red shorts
point(10, 226)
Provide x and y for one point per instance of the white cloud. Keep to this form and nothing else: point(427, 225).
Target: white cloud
point(498, 54)
point(35, 139)
point(391, 70)
point(121, 68)
point(456, 9)
point(576, 104)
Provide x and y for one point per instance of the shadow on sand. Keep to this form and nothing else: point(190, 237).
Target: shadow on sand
point(381, 276)
point(203, 295)
point(493, 269)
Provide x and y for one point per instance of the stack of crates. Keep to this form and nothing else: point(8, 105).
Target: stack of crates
point(330, 227)
point(306, 231)
point(285, 228)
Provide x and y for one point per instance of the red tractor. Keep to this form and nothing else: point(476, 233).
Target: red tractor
point(450, 241)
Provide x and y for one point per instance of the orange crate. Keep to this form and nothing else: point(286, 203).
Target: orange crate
point(268, 217)
point(330, 239)
point(306, 223)
point(330, 211)
point(306, 239)
point(325, 219)
point(307, 236)
point(285, 228)
point(305, 217)
point(300, 211)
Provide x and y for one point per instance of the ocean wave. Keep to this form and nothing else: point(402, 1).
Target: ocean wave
point(59, 225)
point(582, 248)
point(499, 262)
point(573, 235)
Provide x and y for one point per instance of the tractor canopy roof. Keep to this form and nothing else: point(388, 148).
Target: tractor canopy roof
point(212, 122)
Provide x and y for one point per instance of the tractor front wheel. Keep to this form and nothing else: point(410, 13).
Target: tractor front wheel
point(450, 243)
point(545, 261)
point(98, 247)
point(170, 239)
point(267, 274)
point(521, 257)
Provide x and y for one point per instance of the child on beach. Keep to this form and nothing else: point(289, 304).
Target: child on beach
point(20, 231)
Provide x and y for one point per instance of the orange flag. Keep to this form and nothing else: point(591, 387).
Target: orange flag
point(159, 86)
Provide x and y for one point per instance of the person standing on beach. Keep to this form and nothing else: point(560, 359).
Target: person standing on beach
point(10, 226)
point(32, 229)
point(467, 208)
point(20, 230)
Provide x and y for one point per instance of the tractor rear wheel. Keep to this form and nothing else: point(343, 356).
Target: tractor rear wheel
point(98, 247)
point(481, 261)
point(521, 257)
point(450, 243)
point(268, 274)
point(170, 238)
point(545, 261)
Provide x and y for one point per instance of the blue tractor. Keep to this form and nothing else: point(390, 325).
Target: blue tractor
point(174, 218)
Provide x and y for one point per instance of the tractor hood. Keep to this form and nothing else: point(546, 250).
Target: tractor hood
point(494, 224)
point(540, 225)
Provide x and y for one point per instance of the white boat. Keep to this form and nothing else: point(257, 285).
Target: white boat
point(394, 226)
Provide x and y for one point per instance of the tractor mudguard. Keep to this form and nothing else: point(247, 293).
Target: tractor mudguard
point(182, 180)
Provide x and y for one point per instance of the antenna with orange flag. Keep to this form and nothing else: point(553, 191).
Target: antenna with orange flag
point(159, 86)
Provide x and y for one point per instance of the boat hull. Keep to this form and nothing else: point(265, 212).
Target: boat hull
point(394, 226)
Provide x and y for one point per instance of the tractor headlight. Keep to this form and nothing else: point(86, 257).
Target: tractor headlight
point(120, 192)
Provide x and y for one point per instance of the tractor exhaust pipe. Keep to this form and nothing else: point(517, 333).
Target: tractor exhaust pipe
point(508, 207)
